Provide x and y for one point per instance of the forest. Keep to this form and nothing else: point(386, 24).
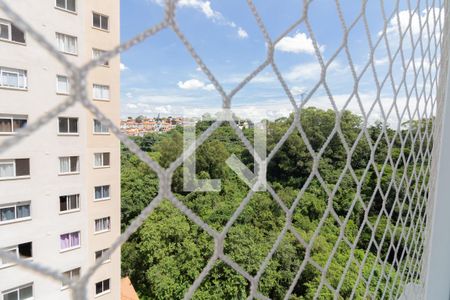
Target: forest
point(361, 183)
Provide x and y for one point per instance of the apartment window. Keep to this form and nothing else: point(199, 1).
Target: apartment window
point(62, 85)
point(69, 5)
point(13, 78)
point(66, 43)
point(73, 274)
point(24, 292)
point(12, 168)
point(10, 124)
point(22, 251)
point(101, 92)
point(101, 159)
point(100, 21)
point(100, 253)
point(69, 202)
point(70, 240)
point(67, 125)
point(9, 32)
point(69, 164)
point(96, 53)
point(103, 224)
point(102, 192)
point(99, 127)
point(15, 212)
point(102, 287)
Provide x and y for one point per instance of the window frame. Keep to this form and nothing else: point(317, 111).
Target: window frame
point(16, 249)
point(18, 72)
point(14, 163)
point(68, 119)
point(101, 16)
point(12, 118)
point(103, 192)
point(94, 56)
point(107, 132)
point(10, 25)
point(58, 92)
point(102, 154)
point(102, 251)
point(103, 221)
point(16, 218)
point(103, 292)
point(65, 8)
point(70, 276)
point(102, 86)
point(17, 289)
point(71, 247)
point(68, 203)
point(66, 36)
point(70, 163)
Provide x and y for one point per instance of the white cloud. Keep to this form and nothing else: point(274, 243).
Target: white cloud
point(311, 71)
point(242, 33)
point(123, 67)
point(205, 8)
point(132, 106)
point(195, 84)
point(299, 43)
point(412, 22)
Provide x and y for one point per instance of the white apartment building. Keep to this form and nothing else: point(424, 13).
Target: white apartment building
point(59, 187)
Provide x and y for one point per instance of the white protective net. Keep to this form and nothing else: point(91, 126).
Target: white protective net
point(404, 101)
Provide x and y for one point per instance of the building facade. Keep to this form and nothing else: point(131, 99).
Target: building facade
point(60, 186)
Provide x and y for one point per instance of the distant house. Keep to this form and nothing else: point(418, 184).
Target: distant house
point(127, 291)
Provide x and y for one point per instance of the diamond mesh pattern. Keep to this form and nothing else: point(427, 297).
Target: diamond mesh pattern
point(415, 55)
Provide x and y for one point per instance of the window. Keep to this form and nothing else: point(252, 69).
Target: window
point(102, 192)
point(62, 85)
point(73, 274)
point(70, 240)
point(101, 159)
point(15, 212)
point(67, 125)
point(99, 127)
point(97, 53)
point(103, 224)
point(13, 78)
point(22, 251)
point(69, 202)
point(100, 253)
point(24, 292)
point(69, 164)
point(100, 21)
point(9, 32)
point(13, 168)
point(66, 43)
point(102, 287)
point(66, 5)
point(101, 92)
point(10, 124)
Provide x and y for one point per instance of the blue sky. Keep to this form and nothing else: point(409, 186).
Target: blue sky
point(159, 75)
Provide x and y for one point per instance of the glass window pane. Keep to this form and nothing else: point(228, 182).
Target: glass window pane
point(62, 84)
point(64, 164)
point(98, 287)
point(26, 293)
point(17, 35)
point(71, 5)
point(63, 125)
point(11, 296)
point(106, 285)
point(74, 163)
point(26, 250)
point(7, 214)
point(23, 211)
point(7, 169)
point(73, 201)
point(5, 125)
point(96, 20)
point(63, 203)
point(4, 31)
point(106, 191)
point(73, 125)
point(104, 20)
point(19, 123)
point(22, 167)
point(106, 159)
point(61, 3)
point(10, 79)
